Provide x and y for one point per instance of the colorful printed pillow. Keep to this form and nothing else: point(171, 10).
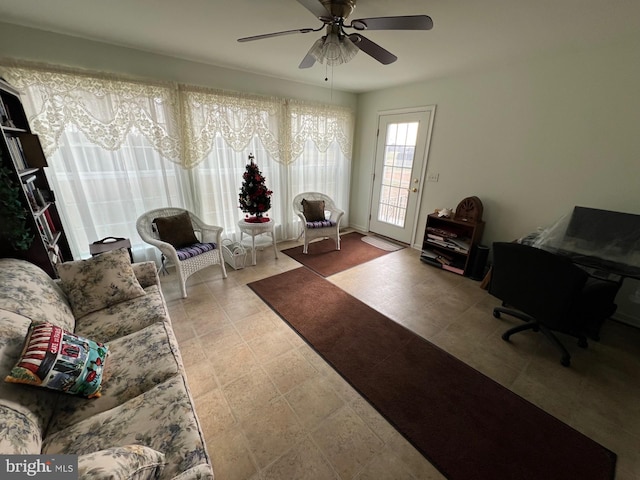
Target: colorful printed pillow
point(313, 210)
point(99, 282)
point(131, 462)
point(59, 360)
point(176, 230)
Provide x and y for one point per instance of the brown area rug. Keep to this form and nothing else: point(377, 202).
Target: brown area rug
point(467, 425)
point(324, 259)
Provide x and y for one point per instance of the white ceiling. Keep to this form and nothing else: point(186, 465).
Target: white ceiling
point(466, 33)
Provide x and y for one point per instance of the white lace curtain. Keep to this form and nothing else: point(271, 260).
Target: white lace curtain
point(104, 109)
point(118, 147)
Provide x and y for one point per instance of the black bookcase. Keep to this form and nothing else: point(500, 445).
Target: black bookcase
point(24, 160)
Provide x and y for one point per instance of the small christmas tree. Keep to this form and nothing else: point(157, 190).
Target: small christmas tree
point(254, 194)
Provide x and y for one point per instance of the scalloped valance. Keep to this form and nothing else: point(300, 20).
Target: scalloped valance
point(180, 121)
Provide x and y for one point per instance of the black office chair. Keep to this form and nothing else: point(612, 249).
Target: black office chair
point(550, 293)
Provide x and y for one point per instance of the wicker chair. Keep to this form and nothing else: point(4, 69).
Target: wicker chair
point(329, 228)
point(187, 260)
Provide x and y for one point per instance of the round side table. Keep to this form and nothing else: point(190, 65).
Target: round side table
point(256, 229)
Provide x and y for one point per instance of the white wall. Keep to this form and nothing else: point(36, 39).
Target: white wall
point(531, 139)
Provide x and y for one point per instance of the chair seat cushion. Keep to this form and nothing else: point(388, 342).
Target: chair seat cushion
point(321, 224)
point(193, 250)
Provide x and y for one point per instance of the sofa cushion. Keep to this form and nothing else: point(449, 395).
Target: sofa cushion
point(60, 360)
point(137, 363)
point(18, 434)
point(98, 282)
point(107, 324)
point(162, 418)
point(131, 462)
point(27, 290)
point(313, 210)
point(176, 230)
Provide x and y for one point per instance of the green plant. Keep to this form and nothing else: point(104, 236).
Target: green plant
point(14, 230)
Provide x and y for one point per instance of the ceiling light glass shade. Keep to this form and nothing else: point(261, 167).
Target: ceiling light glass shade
point(333, 49)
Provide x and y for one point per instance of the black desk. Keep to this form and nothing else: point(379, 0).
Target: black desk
point(600, 267)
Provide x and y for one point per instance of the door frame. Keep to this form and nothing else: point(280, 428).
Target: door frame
point(424, 157)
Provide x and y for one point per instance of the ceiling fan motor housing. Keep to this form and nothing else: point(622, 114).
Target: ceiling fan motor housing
point(339, 8)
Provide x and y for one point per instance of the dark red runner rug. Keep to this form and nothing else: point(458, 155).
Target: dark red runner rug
point(324, 259)
point(467, 425)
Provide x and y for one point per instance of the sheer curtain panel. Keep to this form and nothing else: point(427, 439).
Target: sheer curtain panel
point(119, 147)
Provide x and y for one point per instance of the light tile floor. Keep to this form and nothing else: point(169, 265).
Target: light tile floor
point(272, 409)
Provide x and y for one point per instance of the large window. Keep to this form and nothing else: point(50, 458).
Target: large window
point(102, 192)
point(118, 148)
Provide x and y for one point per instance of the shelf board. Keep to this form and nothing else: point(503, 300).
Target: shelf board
point(447, 249)
point(8, 129)
point(41, 210)
point(27, 171)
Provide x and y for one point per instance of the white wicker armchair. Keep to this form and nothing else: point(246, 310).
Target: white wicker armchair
point(186, 263)
point(330, 228)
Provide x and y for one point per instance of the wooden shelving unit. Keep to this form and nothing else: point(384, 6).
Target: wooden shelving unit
point(449, 243)
point(23, 157)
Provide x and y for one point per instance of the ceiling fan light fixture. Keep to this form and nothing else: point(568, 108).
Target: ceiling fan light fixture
point(333, 49)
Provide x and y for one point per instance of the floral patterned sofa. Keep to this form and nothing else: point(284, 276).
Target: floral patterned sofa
point(143, 425)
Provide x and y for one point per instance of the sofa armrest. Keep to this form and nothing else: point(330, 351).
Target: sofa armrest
point(146, 273)
point(199, 472)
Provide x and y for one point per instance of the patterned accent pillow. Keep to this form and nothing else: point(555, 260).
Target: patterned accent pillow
point(131, 462)
point(313, 210)
point(60, 360)
point(195, 249)
point(99, 282)
point(176, 230)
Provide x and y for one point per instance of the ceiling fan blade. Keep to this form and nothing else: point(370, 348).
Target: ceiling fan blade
point(315, 7)
point(408, 22)
point(371, 48)
point(276, 34)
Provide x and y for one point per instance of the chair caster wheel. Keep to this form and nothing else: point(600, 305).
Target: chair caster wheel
point(496, 314)
point(566, 362)
point(505, 337)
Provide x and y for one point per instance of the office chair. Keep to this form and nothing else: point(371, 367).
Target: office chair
point(549, 293)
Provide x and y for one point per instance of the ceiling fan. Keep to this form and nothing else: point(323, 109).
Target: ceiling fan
point(338, 46)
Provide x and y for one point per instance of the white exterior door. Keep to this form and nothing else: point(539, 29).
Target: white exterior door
point(401, 162)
